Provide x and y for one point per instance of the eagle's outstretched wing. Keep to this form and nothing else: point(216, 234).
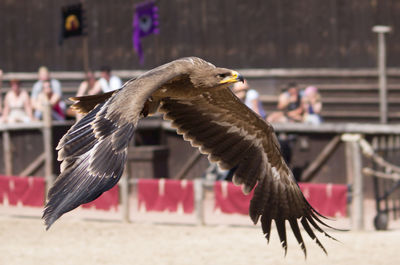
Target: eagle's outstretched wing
point(93, 152)
point(234, 136)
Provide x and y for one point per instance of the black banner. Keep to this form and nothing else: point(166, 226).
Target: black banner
point(72, 21)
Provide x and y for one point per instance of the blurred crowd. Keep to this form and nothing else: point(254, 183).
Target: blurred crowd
point(19, 105)
point(294, 104)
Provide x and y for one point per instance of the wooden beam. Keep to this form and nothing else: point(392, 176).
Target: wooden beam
point(33, 166)
point(273, 99)
point(85, 53)
point(188, 165)
point(248, 73)
point(34, 125)
point(374, 173)
point(311, 170)
point(362, 128)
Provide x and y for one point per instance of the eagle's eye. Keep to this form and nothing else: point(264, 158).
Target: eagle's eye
point(223, 75)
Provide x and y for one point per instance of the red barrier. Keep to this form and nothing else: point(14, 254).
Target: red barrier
point(230, 198)
point(160, 195)
point(30, 191)
point(327, 199)
point(25, 191)
point(106, 201)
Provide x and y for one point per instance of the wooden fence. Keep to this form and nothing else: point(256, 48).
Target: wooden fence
point(351, 134)
point(45, 158)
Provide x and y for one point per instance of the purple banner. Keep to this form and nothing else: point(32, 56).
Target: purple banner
point(145, 22)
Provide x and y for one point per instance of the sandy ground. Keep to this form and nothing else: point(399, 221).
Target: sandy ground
point(24, 241)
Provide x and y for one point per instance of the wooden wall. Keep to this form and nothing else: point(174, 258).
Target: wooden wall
point(233, 33)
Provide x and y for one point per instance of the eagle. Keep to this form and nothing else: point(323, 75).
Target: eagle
point(195, 96)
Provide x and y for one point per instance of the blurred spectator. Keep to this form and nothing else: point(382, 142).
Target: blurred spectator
point(44, 75)
point(312, 105)
point(107, 82)
point(48, 96)
point(250, 97)
point(290, 107)
point(17, 105)
point(87, 87)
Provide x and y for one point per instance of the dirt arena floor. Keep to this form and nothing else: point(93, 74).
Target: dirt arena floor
point(25, 241)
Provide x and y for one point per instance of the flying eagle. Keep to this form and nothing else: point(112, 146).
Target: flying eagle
point(195, 96)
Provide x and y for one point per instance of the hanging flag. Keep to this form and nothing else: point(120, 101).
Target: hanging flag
point(145, 22)
point(72, 21)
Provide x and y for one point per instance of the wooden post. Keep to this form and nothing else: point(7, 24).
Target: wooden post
point(85, 43)
point(48, 145)
point(375, 143)
point(354, 160)
point(381, 30)
point(85, 53)
point(7, 153)
point(198, 200)
point(124, 189)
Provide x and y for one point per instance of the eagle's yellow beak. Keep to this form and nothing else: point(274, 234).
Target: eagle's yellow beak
point(233, 78)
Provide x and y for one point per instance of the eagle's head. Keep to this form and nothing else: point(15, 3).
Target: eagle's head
point(212, 77)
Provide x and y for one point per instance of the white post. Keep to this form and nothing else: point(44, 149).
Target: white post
point(354, 164)
point(198, 200)
point(381, 30)
point(124, 191)
point(48, 145)
point(7, 150)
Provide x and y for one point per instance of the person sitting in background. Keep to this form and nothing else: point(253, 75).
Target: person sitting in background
point(17, 105)
point(86, 88)
point(107, 82)
point(312, 105)
point(250, 97)
point(47, 96)
point(290, 106)
point(44, 75)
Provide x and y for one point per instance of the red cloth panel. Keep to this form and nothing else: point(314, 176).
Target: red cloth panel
point(28, 191)
point(327, 199)
point(229, 198)
point(165, 194)
point(106, 201)
point(4, 188)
